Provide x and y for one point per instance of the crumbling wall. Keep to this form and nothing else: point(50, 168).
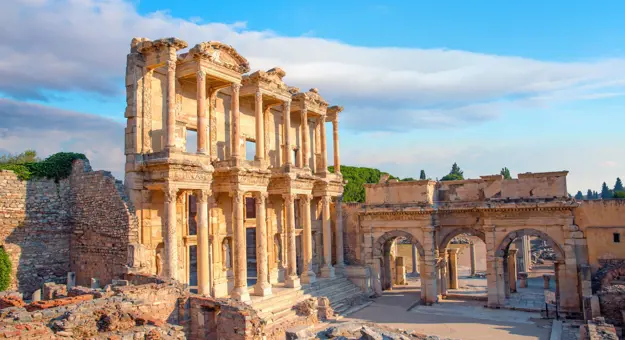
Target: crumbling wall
point(612, 302)
point(352, 237)
point(158, 300)
point(223, 319)
point(536, 185)
point(35, 229)
point(104, 225)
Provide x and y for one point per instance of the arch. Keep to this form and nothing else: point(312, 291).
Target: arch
point(378, 246)
point(605, 275)
point(510, 237)
point(462, 230)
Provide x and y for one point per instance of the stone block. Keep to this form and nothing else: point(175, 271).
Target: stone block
point(36, 296)
point(95, 283)
point(53, 291)
point(71, 280)
point(370, 334)
point(300, 333)
point(523, 280)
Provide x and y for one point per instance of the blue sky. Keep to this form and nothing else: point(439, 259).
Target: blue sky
point(533, 85)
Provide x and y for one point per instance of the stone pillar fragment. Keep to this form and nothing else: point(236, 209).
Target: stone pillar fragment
point(236, 122)
point(308, 275)
point(292, 281)
point(512, 270)
point(171, 237)
point(202, 121)
point(262, 287)
point(400, 271)
point(522, 280)
point(414, 259)
point(202, 243)
point(453, 268)
point(71, 280)
point(473, 259)
point(335, 131)
point(239, 292)
point(327, 270)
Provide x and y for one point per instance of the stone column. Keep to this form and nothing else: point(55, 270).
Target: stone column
point(212, 112)
point(239, 291)
point(308, 275)
point(494, 269)
point(524, 248)
point(473, 259)
point(428, 271)
point(546, 278)
point(523, 279)
point(260, 127)
point(327, 270)
point(340, 255)
point(324, 145)
point(512, 269)
point(201, 112)
point(305, 135)
point(202, 243)
point(414, 258)
point(170, 123)
point(262, 287)
point(453, 268)
point(171, 237)
point(317, 155)
point(292, 281)
point(236, 122)
point(335, 132)
point(286, 112)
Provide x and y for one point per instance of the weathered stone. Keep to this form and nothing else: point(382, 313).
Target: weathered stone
point(299, 333)
point(370, 334)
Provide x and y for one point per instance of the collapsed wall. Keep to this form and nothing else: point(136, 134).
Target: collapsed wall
point(83, 223)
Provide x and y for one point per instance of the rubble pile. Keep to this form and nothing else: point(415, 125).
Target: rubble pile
point(541, 252)
point(363, 331)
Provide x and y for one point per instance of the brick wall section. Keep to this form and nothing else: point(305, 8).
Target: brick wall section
point(223, 319)
point(352, 236)
point(35, 229)
point(612, 302)
point(104, 225)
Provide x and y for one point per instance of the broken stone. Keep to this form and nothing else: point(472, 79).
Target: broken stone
point(299, 333)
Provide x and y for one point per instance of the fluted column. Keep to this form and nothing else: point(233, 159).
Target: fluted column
point(339, 235)
point(239, 291)
point(171, 237)
point(202, 122)
point(305, 135)
point(324, 145)
point(327, 270)
point(308, 275)
point(202, 242)
point(170, 123)
point(286, 112)
point(212, 112)
point(262, 287)
point(260, 126)
point(335, 134)
point(292, 281)
point(236, 122)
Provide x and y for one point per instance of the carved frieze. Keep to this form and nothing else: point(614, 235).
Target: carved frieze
point(221, 54)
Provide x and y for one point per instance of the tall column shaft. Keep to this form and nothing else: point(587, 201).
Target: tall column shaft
point(414, 258)
point(512, 270)
point(453, 268)
point(339, 234)
point(292, 281)
point(171, 100)
point(327, 270)
point(260, 126)
point(202, 243)
point(473, 259)
point(304, 133)
point(308, 275)
point(286, 112)
point(240, 262)
point(212, 112)
point(262, 287)
point(324, 144)
point(317, 155)
point(202, 122)
point(335, 134)
point(171, 237)
point(236, 121)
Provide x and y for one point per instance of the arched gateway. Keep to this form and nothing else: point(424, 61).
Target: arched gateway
point(430, 214)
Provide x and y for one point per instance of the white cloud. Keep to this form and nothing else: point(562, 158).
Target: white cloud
point(81, 45)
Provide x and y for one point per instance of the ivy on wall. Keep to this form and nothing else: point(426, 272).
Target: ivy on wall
point(57, 166)
point(5, 270)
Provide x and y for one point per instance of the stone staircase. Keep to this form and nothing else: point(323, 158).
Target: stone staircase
point(278, 308)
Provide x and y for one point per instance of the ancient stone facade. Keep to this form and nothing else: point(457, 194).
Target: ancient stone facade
point(83, 224)
point(251, 190)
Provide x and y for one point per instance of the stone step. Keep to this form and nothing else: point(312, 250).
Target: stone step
point(306, 292)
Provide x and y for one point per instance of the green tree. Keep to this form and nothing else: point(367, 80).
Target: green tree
point(422, 175)
point(407, 179)
point(357, 177)
point(618, 186)
point(454, 174)
point(506, 173)
point(5, 270)
point(605, 191)
point(619, 194)
point(27, 156)
point(595, 195)
point(579, 196)
point(590, 195)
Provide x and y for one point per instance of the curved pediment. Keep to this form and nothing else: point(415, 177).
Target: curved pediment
point(221, 54)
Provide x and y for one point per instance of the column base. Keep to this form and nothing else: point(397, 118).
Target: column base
point(203, 290)
point(339, 269)
point(240, 294)
point(262, 289)
point(309, 277)
point(220, 289)
point(327, 272)
point(273, 276)
point(292, 282)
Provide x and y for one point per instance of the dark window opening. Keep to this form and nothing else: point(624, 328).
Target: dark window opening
point(617, 237)
point(250, 207)
point(191, 220)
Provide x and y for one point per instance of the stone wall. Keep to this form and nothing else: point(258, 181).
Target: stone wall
point(223, 319)
point(104, 225)
point(612, 302)
point(352, 236)
point(35, 230)
point(83, 224)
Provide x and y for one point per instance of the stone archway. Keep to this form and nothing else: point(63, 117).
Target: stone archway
point(447, 273)
point(463, 230)
point(381, 251)
point(502, 250)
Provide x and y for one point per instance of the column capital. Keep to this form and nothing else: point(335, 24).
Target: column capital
point(235, 87)
point(170, 192)
point(288, 198)
point(512, 252)
point(260, 196)
point(306, 198)
point(452, 251)
point(201, 75)
point(258, 95)
point(202, 195)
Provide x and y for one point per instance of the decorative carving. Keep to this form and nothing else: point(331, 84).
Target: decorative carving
point(170, 194)
point(201, 75)
point(202, 196)
point(221, 54)
point(144, 45)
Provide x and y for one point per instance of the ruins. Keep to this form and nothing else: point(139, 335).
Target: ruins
point(229, 224)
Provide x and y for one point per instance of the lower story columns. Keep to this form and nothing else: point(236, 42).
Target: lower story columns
point(203, 257)
point(292, 280)
point(327, 270)
point(171, 237)
point(453, 268)
point(262, 287)
point(239, 292)
point(308, 275)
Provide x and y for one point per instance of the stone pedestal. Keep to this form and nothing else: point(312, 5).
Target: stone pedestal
point(546, 279)
point(522, 280)
point(36, 295)
point(71, 280)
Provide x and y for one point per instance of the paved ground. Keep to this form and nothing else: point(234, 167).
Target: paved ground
point(452, 319)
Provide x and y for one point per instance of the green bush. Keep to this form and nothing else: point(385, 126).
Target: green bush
point(5, 270)
point(57, 167)
point(619, 194)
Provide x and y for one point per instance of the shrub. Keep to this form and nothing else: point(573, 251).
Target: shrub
point(57, 167)
point(5, 270)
